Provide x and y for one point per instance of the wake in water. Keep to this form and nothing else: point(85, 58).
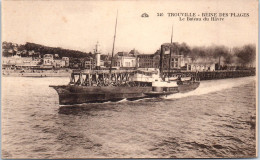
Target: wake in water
point(204, 88)
point(214, 86)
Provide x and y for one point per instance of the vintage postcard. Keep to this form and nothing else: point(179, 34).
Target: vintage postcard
point(129, 79)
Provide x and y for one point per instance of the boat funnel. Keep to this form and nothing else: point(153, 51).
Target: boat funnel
point(161, 58)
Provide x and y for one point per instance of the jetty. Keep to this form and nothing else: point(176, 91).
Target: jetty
point(120, 77)
point(219, 74)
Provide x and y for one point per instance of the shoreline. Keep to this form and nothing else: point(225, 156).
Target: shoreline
point(36, 75)
point(29, 73)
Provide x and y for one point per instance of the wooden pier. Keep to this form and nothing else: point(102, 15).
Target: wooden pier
point(123, 77)
point(211, 75)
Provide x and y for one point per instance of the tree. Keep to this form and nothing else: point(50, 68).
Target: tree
point(184, 49)
point(220, 51)
point(246, 54)
point(198, 52)
point(229, 59)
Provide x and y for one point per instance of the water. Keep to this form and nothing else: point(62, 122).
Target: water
point(216, 120)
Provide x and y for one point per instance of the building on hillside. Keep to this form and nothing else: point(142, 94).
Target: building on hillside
point(24, 53)
point(148, 60)
point(58, 63)
point(15, 49)
point(61, 63)
point(134, 53)
point(153, 61)
point(66, 61)
point(10, 62)
point(90, 63)
point(48, 60)
point(36, 61)
point(106, 60)
point(124, 60)
point(54, 61)
point(19, 62)
point(122, 54)
point(176, 61)
point(76, 63)
point(56, 56)
point(31, 53)
point(19, 53)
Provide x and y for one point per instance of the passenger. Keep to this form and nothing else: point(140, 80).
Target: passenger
point(179, 78)
point(78, 82)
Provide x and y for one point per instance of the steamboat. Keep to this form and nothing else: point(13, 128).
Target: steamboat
point(100, 86)
point(88, 86)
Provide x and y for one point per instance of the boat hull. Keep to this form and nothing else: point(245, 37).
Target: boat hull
point(72, 94)
point(188, 87)
point(69, 95)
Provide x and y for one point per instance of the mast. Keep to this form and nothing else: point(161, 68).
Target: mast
point(172, 33)
point(170, 57)
point(113, 44)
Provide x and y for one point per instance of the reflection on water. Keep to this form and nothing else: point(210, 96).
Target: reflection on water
point(216, 120)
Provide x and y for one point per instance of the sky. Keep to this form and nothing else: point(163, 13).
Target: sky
point(79, 25)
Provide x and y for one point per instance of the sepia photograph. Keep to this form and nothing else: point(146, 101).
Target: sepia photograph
point(129, 79)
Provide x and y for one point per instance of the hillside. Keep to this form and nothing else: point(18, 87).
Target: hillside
point(10, 49)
